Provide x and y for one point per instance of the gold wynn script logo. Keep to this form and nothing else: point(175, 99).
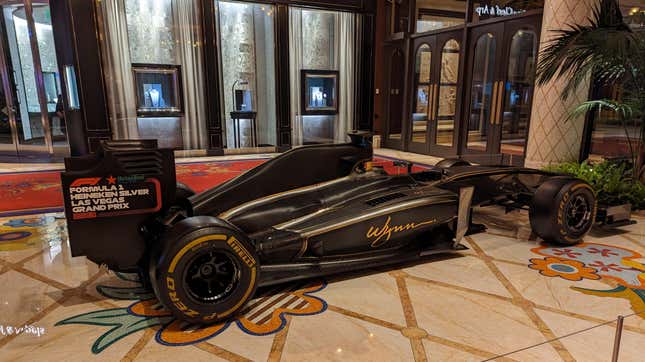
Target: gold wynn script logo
point(383, 234)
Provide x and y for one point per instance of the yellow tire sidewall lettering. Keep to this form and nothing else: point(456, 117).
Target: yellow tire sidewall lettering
point(241, 251)
point(174, 299)
point(238, 249)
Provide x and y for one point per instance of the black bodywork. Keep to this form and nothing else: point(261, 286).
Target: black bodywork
point(314, 210)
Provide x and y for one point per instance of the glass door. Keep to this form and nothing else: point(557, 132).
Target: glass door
point(432, 122)
point(501, 79)
point(485, 86)
point(445, 98)
point(8, 141)
point(518, 72)
point(31, 82)
point(424, 80)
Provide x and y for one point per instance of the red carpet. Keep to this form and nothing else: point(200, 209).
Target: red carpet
point(40, 191)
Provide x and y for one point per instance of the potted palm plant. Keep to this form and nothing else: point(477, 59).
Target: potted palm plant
point(610, 53)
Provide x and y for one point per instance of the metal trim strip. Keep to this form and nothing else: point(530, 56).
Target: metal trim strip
point(318, 230)
point(238, 209)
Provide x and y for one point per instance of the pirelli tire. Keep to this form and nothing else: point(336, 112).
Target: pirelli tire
point(563, 210)
point(452, 162)
point(204, 270)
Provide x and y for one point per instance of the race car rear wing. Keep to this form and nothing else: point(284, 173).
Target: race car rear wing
point(108, 196)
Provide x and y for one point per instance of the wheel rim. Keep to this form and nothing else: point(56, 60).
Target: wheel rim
point(211, 276)
point(578, 213)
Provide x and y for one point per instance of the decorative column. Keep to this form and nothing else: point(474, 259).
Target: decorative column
point(553, 139)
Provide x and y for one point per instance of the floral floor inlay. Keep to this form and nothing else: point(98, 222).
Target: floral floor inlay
point(262, 316)
point(596, 261)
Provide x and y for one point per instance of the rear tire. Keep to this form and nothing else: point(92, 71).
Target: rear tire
point(563, 210)
point(452, 162)
point(204, 270)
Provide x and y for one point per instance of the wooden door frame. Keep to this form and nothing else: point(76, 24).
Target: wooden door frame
point(391, 49)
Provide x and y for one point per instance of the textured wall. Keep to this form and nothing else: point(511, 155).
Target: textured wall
point(551, 138)
point(318, 42)
point(318, 52)
point(150, 31)
point(238, 60)
point(26, 64)
point(247, 53)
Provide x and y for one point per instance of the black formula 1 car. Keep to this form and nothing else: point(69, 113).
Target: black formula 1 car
point(312, 211)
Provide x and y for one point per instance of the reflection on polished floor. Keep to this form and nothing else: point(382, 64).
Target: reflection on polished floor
point(507, 295)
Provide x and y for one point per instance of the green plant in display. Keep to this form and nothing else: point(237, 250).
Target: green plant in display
point(608, 51)
point(613, 182)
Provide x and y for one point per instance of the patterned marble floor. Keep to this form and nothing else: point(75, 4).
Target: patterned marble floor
point(502, 296)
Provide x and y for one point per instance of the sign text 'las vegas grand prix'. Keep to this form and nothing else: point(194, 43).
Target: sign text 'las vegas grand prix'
point(113, 196)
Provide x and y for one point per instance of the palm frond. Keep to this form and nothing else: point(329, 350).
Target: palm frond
point(623, 110)
point(600, 49)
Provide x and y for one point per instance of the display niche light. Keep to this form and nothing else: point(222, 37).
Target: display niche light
point(267, 12)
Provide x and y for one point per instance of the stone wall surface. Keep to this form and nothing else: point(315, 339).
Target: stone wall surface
point(552, 139)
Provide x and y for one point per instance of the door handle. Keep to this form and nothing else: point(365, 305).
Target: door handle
point(435, 102)
point(500, 101)
point(493, 105)
point(430, 102)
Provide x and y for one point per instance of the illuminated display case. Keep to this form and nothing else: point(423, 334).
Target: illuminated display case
point(158, 89)
point(319, 92)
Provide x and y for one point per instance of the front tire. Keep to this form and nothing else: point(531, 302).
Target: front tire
point(563, 210)
point(204, 271)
